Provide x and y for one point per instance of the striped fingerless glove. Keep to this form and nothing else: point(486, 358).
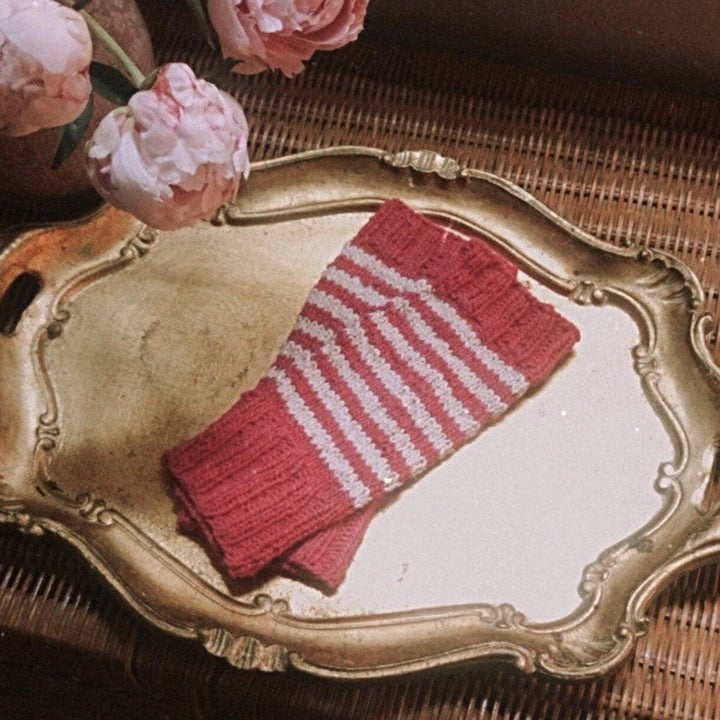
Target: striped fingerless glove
point(412, 341)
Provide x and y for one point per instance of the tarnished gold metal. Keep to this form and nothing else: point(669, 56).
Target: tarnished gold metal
point(137, 339)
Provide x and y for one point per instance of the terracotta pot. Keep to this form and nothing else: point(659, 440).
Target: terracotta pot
point(26, 179)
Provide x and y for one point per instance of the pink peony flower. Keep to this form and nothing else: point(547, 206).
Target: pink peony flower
point(45, 54)
point(175, 154)
point(280, 34)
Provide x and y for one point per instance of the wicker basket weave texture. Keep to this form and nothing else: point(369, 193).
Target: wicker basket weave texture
point(627, 164)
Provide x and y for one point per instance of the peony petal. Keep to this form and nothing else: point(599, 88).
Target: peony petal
point(42, 83)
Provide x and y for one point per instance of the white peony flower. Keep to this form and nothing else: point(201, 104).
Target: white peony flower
point(175, 154)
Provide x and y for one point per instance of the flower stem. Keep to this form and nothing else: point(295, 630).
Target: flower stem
point(133, 71)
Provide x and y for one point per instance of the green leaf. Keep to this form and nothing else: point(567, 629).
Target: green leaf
point(199, 11)
point(220, 72)
point(111, 83)
point(71, 134)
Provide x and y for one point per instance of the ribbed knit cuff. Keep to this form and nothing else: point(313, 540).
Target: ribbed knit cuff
point(244, 495)
point(321, 559)
point(324, 558)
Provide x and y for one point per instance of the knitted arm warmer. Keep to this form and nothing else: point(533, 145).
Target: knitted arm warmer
point(413, 340)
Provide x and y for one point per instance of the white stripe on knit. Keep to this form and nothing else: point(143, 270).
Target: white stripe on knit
point(422, 419)
point(356, 286)
point(344, 313)
point(334, 404)
point(369, 401)
point(329, 452)
point(473, 382)
point(514, 379)
point(461, 415)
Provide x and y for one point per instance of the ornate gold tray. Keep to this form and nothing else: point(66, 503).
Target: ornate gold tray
point(543, 541)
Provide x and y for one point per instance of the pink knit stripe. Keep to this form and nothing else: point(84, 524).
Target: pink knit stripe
point(467, 352)
point(360, 290)
point(367, 408)
point(336, 311)
point(330, 424)
point(345, 263)
point(369, 285)
point(329, 285)
point(493, 407)
point(324, 395)
point(510, 323)
point(430, 398)
point(464, 381)
point(355, 332)
point(400, 381)
point(342, 263)
point(333, 408)
point(464, 325)
point(349, 379)
point(357, 350)
point(451, 266)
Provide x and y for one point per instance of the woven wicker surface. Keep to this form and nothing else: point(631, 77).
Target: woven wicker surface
point(627, 165)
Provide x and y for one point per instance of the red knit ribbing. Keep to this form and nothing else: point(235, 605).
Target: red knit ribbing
point(323, 558)
point(433, 328)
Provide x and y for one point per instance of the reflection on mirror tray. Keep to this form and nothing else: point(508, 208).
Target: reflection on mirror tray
point(139, 341)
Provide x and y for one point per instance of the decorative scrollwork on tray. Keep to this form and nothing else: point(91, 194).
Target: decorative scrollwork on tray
point(25, 522)
point(668, 279)
point(570, 653)
point(645, 361)
point(140, 244)
point(48, 430)
point(502, 617)
point(586, 292)
point(426, 161)
point(245, 652)
point(93, 509)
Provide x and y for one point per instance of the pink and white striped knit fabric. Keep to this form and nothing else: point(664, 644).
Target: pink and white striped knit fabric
point(412, 341)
